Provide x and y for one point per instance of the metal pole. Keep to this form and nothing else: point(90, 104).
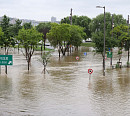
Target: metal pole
point(104, 40)
point(70, 23)
point(128, 42)
point(104, 44)
point(112, 36)
point(71, 16)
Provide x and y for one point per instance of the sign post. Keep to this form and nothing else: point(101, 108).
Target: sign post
point(90, 71)
point(77, 58)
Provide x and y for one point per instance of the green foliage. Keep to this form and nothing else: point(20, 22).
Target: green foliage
point(29, 38)
point(7, 40)
point(1, 36)
point(71, 34)
point(14, 29)
point(82, 21)
point(97, 27)
point(120, 51)
point(43, 28)
point(27, 25)
point(117, 65)
point(58, 34)
point(45, 57)
point(77, 35)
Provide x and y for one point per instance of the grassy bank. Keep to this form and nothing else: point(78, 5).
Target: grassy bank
point(37, 49)
point(46, 49)
point(90, 44)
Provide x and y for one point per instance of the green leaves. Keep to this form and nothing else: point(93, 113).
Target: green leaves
point(82, 21)
point(70, 34)
point(29, 36)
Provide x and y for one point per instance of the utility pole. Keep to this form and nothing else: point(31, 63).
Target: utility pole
point(71, 16)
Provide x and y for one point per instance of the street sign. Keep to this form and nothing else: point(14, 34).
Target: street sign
point(77, 58)
point(6, 60)
point(90, 71)
point(109, 54)
point(85, 53)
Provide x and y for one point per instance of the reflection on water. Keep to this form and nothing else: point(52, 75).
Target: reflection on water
point(66, 90)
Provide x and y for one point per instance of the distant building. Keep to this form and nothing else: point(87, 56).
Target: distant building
point(53, 19)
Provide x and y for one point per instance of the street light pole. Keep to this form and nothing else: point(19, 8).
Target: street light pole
point(104, 40)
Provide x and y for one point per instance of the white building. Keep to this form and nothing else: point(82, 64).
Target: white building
point(53, 19)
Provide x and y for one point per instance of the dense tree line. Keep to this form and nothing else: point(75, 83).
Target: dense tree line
point(64, 36)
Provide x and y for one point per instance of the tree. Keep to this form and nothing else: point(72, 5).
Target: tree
point(14, 29)
point(77, 34)
point(29, 38)
point(63, 35)
point(97, 27)
point(82, 21)
point(45, 59)
point(123, 39)
point(6, 41)
point(1, 36)
point(58, 34)
point(44, 29)
point(27, 25)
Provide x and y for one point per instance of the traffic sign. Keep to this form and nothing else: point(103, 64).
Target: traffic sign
point(85, 53)
point(77, 58)
point(90, 71)
point(109, 54)
point(6, 60)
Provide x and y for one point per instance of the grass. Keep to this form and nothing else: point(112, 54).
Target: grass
point(46, 49)
point(90, 44)
point(38, 48)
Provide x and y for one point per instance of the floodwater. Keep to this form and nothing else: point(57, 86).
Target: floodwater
point(66, 89)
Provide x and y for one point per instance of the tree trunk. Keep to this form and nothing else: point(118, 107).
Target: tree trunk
point(111, 59)
point(28, 65)
point(44, 69)
point(18, 48)
point(44, 44)
point(59, 53)
point(128, 57)
point(70, 49)
point(6, 53)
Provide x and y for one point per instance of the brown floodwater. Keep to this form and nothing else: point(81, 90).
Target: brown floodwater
point(66, 89)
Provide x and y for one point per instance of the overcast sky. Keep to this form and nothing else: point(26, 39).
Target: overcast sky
point(43, 10)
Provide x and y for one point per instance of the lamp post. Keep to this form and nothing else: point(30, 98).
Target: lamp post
point(104, 40)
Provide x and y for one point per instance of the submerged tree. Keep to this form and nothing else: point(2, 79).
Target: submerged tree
point(45, 59)
point(64, 35)
point(97, 27)
point(29, 39)
point(44, 29)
